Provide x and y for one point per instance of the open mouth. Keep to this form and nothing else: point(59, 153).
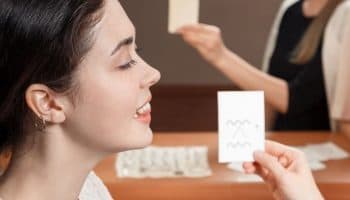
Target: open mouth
point(143, 114)
point(144, 109)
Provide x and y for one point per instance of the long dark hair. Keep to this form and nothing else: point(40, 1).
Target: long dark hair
point(41, 41)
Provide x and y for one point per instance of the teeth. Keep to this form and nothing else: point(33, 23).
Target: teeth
point(144, 109)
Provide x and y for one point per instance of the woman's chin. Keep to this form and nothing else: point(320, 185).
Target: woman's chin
point(144, 140)
point(147, 139)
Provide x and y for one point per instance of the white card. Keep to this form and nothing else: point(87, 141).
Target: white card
point(241, 125)
point(182, 12)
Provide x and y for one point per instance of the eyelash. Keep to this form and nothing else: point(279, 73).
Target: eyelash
point(131, 63)
point(128, 65)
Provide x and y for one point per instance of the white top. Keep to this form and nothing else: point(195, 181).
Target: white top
point(336, 63)
point(335, 57)
point(94, 189)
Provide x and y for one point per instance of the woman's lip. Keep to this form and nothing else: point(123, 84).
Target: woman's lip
point(145, 118)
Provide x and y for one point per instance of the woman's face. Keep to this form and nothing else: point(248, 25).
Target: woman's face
point(112, 112)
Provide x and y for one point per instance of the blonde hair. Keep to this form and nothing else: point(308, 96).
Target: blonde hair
point(308, 45)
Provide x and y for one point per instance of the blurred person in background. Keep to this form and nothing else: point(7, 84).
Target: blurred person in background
point(306, 61)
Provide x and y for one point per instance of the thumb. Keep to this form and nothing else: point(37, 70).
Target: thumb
point(269, 162)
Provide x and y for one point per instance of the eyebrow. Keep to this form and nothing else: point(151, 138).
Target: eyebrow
point(124, 42)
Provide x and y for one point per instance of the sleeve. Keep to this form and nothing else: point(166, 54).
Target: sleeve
point(340, 108)
point(306, 90)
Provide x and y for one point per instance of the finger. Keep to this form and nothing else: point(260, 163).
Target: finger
point(193, 42)
point(209, 29)
point(300, 161)
point(260, 171)
point(286, 155)
point(247, 164)
point(202, 37)
point(276, 149)
point(198, 29)
point(249, 167)
point(189, 28)
point(269, 162)
point(268, 177)
point(283, 161)
point(254, 167)
point(195, 27)
point(250, 170)
point(197, 40)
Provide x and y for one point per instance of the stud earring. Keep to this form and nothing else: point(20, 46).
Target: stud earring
point(40, 124)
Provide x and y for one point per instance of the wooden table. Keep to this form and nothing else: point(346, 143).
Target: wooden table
point(334, 181)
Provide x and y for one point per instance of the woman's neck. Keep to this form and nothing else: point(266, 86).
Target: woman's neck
point(55, 169)
point(312, 8)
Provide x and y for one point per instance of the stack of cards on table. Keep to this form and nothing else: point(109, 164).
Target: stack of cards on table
point(182, 12)
point(164, 162)
point(241, 125)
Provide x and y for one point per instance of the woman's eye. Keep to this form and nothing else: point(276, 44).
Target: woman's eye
point(128, 65)
point(132, 61)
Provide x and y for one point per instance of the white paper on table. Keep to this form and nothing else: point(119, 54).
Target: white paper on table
point(241, 122)
point(182, 12)
point(316, 165)
point(328, 151)
point(312, 156)
point(316, 154)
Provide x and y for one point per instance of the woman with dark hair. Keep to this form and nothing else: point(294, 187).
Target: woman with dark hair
point(73, 90)
point(303, 88)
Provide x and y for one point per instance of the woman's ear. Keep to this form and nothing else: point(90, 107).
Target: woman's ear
point(45, 103)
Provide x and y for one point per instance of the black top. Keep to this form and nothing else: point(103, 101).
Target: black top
point(307, 109)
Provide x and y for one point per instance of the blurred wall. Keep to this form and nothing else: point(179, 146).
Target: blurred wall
point(245, 26)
